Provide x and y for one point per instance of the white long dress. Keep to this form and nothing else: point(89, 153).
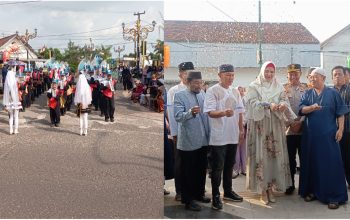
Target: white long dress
point(267, 153)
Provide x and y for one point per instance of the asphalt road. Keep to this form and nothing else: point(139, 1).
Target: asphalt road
point(114, 172)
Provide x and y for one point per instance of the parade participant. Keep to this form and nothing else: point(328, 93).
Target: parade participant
point(340, 84)
point(82, 99)
point(224, 107)
point(62, 87)
point(70, 90)
point(4, 71)
point(321, 167)
point(23, 92)
point(95, 86)
point(102, 100)
point(51, 77)
point(294, 89)
point(183, 68)
point(241, 154)
point(11, 99)
point(53, 95)
point(108, 93)
point(125, 76)
point(267, 110)
point(36, 83)
point(29, 80)
point(45, 79)
point(193, 137)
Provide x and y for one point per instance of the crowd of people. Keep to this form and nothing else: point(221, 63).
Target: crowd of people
point(257, 131)
point(149, 90)
point(93, 88)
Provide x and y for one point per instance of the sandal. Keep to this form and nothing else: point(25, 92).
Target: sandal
point(309, 198)
point(333, 205)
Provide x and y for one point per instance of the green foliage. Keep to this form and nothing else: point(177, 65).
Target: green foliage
point(74, 53)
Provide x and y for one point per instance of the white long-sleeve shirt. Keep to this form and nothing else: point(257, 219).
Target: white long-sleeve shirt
point(170, 107)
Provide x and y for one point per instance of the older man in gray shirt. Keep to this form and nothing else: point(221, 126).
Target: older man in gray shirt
point(192, 141)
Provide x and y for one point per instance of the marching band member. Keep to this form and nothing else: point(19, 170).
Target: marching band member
point(62, 86)
point(83, 100)
point(11, 99)
point(53, 96)
point(108, 97)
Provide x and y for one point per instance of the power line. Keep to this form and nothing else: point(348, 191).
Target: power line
point(223, 12)
point(20, 2)
point(58, 35)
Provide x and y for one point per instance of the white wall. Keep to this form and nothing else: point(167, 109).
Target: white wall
point(335, 52)
point(243, 76)
point(22, 54)
point(243, 55)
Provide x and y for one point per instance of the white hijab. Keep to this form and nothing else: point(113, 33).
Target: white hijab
point(268, 91)
point(10, 89)
point(82, 92)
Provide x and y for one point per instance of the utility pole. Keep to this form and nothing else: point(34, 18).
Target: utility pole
point(137, 34)
point(138, 25)
point(260, 37)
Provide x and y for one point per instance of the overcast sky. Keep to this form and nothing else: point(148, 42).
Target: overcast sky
point(59, 21)
point(322, 18)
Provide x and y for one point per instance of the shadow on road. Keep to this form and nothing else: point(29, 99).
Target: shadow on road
point(97, 155)
point(178, 211)
point(56, 130)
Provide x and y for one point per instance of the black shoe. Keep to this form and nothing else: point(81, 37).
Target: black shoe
point(56, 125)
point(204, 199)
point(290, 190)
point(333, 205)
point(232, 196)
point(112, 119)
point(193, 206)
point(310, 197)
point(244, 174)
point(106, 119)
point(216, 204)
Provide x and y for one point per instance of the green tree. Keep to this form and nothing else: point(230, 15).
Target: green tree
point(158, 53)
point(56, 53)
point(73, 54)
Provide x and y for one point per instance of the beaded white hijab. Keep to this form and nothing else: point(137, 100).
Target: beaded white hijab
point(82, 92)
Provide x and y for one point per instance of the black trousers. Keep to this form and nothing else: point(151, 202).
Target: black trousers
point(177, 171)
point(55, 116)
point(345, 153)
point(193, 171)
point(222, 161)
point(294, 146)
point(110, 107)
point(95, 98)
point(102, 103)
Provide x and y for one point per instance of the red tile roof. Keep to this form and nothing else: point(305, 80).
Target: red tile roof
point(6, 39)
point(236, 32)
